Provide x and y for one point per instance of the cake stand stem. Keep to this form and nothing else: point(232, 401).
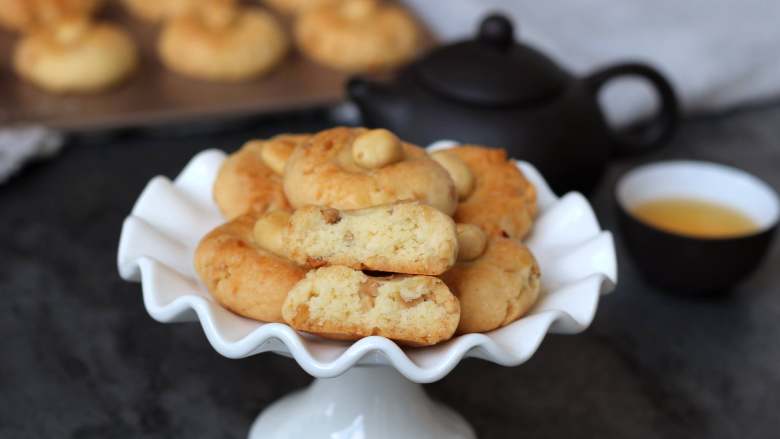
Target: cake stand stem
point(366, 402)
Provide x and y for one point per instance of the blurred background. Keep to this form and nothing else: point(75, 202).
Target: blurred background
point(97, 97)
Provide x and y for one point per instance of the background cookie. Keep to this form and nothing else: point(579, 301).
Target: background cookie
point(243, 277)
point(358, 35)
point(222, 42)
point(75, 55)
point(342, 303)
point(293, 7)
point(495, 289)
point(247, 180)
point(24, 15)
point(409, 237)
point(158, 10)
point(325, 173)
point(502, 201)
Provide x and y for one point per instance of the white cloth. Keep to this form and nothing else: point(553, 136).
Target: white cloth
point(717, 53)
point(22, 144)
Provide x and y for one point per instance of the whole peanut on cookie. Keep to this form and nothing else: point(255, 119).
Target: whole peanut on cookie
point(377, 148)
point(460, 173)
point(269, 231)
point(471, 241)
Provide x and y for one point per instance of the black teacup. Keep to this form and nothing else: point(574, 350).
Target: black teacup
point(690, 264)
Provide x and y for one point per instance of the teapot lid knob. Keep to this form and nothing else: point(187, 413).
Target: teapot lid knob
point(497, 30)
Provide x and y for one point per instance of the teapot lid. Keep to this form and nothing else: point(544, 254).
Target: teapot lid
point(491, 70)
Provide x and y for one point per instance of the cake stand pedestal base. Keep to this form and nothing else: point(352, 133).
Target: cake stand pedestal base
point(368, 402)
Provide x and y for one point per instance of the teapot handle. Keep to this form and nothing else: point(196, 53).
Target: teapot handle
point(653, 132)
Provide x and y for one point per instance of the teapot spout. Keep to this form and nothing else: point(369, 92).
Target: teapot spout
point(380, 104)
point(359, 89)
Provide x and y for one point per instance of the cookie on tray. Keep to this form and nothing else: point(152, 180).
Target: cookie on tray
point(295, 7)
point(159, 10)
point(75, 55)
point(358, 35)
point(501, 201)
point(495, 288)
point(222, 41)
point(26, 15)
point(354, 168)
point(406, 237)
point(243, 276)
point(250, 179)
point(342, 303)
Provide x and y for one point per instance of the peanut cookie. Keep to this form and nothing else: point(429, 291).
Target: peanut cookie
point(250, 179)
point(241, 275)
point(496, 288)
point(295, 7)
point(159, 10)
point(354, 168)
point(26, 15)
point(75, 56)
point(221, 41)
point(501, 201)
point(343, 303)
point(407, 237)
point(358, 35)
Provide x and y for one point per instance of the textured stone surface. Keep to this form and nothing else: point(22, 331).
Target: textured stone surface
point(81, 358)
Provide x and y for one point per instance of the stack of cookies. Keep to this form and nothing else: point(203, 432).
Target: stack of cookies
point(352, 232)
point(64, 49)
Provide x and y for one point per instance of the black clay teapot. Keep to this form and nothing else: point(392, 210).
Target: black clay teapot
point(494, 91)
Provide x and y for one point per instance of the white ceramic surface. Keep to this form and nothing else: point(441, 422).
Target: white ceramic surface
point(704, 181)
point(576, 257)
point(365, 402)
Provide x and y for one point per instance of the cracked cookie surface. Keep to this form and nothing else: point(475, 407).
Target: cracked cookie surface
point(346, 304)
point(409, 238)
point(503, 201)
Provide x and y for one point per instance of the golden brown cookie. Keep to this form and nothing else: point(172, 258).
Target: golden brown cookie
point(75, 55)
point(406, 237)
point(502, 201)
point(25, 15)
point(250, 180)
point(295, 7)
point(159, 10)
point(223, 42)
point(496, 288)
point(242, 276)
point(358, 35)
point(354, 168)
point(342, 303)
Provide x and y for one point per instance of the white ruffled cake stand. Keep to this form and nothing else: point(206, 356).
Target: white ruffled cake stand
point(368, 388)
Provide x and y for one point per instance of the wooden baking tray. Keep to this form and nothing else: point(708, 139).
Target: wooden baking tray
point(155, 96)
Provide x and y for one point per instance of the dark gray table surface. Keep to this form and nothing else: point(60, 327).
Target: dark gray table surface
point(80, 358)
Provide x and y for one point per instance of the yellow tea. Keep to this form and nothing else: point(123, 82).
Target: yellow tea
point(697, 218)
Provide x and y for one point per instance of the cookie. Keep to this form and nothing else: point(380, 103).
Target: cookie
point(501, 201)
point(295, 7)
point(75, 55)
point(496, 288)
point(342, 303)
point(358, 35)
point(242, 276)
point(159, 10)
point(26, 15)
point(408, 237)
point(250, 179)
point(222, 42)
point(354, 168)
